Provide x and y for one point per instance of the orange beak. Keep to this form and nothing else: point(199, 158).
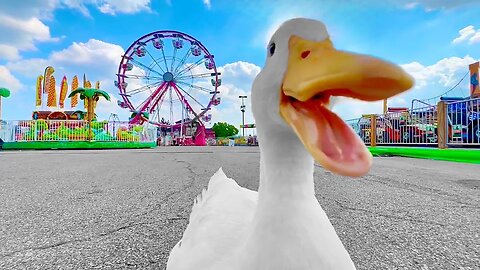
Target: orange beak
point(316, 71)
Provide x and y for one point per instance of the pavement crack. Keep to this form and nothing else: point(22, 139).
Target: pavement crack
point(437, 193)
point(191, 176)
point(414, 220)
point(120, 228)
point(54, 245)
point(64, 242)
point(176, 218)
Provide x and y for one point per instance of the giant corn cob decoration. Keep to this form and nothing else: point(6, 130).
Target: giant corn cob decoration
point(48, 72)
point(63, 92)
point(74, 99)
point(38, 96)
point(52, 93)
point(46, 77)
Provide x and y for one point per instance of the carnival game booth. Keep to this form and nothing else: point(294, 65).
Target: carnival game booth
point(75, 134)
point(55, 127)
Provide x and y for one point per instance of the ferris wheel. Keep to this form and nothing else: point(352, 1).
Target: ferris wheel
point(169, 79)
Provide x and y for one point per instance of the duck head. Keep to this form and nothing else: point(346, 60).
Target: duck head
point(303, 75)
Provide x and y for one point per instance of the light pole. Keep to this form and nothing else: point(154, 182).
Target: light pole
point(242, 108)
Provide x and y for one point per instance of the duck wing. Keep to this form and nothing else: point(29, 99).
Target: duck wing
point(217, 227)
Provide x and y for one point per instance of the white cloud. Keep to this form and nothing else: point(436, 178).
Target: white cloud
point(21, 34)
point(475, 38)
point(445, 72)
point(207, 3)
point(240, 74)
point(411, 5)
point(237, 79)
point(9, 52)
point(436, 4)
point(89, 53)
point(33, 26)
point(28, 67)
point(469, 34)
point(27, 9)
point(8, 80)
point(43, 8)
point(123, 6)
point(22, 23)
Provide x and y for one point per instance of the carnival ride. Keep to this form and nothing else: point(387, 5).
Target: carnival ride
point(69, 128)
point(419, 124)
point(170, 79)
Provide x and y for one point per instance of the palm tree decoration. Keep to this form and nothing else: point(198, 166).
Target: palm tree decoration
point(4, 92)
point(90, 96)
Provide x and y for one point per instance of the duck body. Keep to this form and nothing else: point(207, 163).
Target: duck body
point(280, 227)
point(283, 226)
point(208, 241)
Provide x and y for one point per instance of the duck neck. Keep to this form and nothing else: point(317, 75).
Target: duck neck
point(287, 210)
point(286, 168)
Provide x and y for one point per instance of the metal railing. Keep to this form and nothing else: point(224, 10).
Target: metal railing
point(362, 126)
point(74, 130)
point(448, 123)
point(463, 122)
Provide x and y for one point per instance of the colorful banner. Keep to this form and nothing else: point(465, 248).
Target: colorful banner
point(74, 99)
point(474, 88)
point(63, 92)
point(38, 96)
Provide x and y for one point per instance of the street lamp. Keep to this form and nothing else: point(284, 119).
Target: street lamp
point(242, 108)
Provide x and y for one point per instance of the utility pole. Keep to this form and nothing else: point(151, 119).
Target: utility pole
point(242, 108)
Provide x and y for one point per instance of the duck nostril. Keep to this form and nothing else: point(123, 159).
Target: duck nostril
point(305, 54)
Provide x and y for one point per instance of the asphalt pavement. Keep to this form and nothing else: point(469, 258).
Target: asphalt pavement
point(125, 209)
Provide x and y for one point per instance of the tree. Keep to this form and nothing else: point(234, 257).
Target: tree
point(91, 96)
point(4, 92)
point(223, 129)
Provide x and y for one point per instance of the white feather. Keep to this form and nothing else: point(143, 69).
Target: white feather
point(282, 226)
point(220, 210)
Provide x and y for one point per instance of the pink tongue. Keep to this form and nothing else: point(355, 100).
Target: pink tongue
point(328, 138)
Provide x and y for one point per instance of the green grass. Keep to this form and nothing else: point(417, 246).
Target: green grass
point(75, 145)
point(456, 155)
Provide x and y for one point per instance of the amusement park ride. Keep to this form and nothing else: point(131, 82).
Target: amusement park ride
point(169, 79)
point(419, 124)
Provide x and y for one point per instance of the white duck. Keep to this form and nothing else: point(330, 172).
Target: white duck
point(283, 226)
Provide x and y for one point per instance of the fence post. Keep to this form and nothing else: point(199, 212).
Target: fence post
point(373, 128)
point(442, 126)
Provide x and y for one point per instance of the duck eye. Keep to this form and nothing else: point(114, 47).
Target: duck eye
point(271, 49)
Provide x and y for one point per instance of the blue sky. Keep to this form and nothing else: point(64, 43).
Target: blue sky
point(433, 40)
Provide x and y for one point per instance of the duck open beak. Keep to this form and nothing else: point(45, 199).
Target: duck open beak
point(316, 71)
